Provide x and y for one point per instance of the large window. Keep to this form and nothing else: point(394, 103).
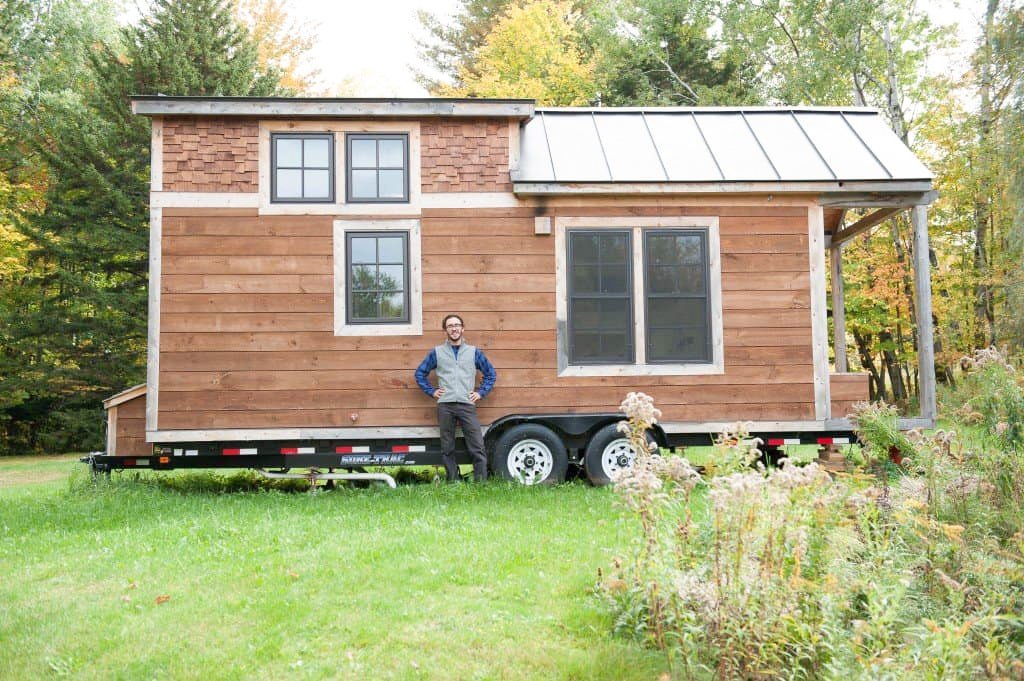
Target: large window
point(302, 167)
point(378, 168)
point(600, 297)
point(638, 296)
point(676, 287)
point(378, 277)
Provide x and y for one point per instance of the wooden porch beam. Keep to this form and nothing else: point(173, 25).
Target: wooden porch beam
point(923, 290)
point(863, 225)
point(838, 309)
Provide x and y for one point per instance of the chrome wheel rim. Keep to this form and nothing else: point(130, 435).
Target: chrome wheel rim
point(617, 456)
point(530, 461)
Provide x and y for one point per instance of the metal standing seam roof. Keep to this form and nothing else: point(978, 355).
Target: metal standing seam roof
point(713, 145)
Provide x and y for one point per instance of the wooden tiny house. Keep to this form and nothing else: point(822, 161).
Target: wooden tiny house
point(304, 251)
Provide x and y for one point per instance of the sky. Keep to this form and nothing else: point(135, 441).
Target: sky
point(367, 48)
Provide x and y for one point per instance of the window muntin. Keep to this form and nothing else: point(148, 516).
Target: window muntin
point(302, 167)
point(377, 266)
point(378, 168)
point(676, 272)
point(600, 297)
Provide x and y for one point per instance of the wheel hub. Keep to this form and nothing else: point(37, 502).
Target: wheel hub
point(530, 461)
point(617, 455)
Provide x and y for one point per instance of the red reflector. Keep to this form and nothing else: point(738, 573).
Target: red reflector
point(400, 448)
point(232, 452)
point(824, 440)
point(776, 442)
point(165, 459)
point(289, 450)
point(342, 450)
point(129, 462)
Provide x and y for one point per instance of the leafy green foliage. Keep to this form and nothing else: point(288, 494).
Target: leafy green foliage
point(78, 319)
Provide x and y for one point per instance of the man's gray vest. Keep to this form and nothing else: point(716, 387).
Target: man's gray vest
point(456, 375)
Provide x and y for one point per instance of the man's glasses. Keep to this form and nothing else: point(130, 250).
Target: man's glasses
point(453, 326)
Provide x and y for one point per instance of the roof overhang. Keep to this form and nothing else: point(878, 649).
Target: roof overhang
point(125, 396)
point(291, 107)
point(910, 192)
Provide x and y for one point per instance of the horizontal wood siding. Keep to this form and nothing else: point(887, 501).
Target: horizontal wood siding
point(131, 428)
point(847, 389)
point(247, 341)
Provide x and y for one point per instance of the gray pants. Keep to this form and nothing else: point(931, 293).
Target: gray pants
point(463, 414)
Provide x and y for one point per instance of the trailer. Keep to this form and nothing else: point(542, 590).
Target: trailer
point(304, 251)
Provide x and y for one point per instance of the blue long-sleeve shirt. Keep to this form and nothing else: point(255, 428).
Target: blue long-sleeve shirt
point(429, 363)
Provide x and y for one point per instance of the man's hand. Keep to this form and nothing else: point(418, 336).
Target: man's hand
point(438, 393)
point(474, 397)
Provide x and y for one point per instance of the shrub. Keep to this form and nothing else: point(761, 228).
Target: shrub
point(797, 574)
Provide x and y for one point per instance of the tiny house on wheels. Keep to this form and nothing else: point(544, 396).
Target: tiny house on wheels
point(304, 251)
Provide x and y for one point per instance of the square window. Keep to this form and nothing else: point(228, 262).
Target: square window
point(378, 168)
point(378, 273)
point(302, 167)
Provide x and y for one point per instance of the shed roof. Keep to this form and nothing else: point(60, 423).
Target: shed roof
point(713, 144)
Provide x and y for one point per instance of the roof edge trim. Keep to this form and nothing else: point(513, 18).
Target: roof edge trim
point(275, 107)
point(722, 187)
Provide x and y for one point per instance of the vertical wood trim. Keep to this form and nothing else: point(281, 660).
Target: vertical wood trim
point(513, 145)
point(819, 312)
point(923, 289)
point(639, 299)
point(839, 308)
point(156, 162)
point(112, 431)
point(153, 344)
point(715, 299)
point(561, 297)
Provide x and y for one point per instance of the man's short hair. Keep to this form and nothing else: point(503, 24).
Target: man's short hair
point(444, 322)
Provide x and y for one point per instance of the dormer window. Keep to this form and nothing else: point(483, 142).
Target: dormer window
point(303, 167)
point(378, 168)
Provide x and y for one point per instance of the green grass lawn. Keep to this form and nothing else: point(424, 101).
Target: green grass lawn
point(136, 579)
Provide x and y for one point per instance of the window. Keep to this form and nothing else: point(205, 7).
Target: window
point(378, 167)
point(378, 277)
point(302, 167)
point(676, 285)
point(638, 296)
point(600, 297)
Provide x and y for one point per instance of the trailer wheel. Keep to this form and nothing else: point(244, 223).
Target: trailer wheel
point(607, 453)
point(531, 454)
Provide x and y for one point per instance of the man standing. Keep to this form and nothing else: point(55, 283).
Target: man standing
point(456, 364)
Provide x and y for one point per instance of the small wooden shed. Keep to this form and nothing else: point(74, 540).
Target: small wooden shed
point(303, 252)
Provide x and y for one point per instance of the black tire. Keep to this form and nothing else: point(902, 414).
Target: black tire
point(531, 454)
point(607, 452)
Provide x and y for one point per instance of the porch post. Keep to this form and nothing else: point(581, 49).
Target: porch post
point(839, 308)
point(923, 289)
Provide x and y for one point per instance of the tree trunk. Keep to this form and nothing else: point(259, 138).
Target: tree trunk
point(983, 299)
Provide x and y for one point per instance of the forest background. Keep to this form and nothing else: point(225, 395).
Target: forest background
point(74, 162)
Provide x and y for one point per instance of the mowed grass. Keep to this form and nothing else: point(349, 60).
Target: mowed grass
point(136, 579)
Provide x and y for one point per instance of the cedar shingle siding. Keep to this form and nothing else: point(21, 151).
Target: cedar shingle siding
point(465, 156)
point(211, 155)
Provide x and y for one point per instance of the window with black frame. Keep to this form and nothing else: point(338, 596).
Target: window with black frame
point(678, 327)
point(378, 277)
point(302, 167)
point(600, 297)
point(378, 168)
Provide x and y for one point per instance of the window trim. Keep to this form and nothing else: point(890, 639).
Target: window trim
point(703, 233)
point(413, 326)
point(350, 137)
point(326, 135)
point(641, 367)
point(349, 235)
point(631, 359)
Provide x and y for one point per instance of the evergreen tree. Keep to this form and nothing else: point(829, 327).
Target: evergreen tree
point(82, 334)
point(662, 52)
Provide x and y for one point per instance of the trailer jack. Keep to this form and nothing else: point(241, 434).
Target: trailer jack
point(313, 475)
